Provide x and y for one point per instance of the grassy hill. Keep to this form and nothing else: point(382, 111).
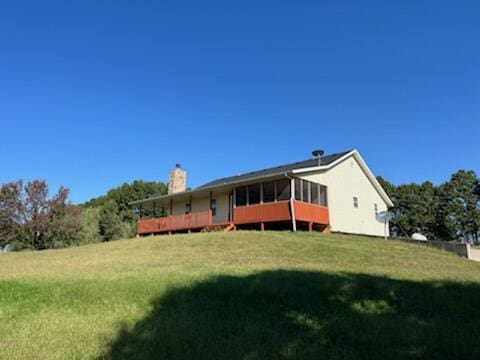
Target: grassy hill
point(243, 295)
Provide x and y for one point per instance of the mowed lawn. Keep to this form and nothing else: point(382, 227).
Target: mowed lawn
point(240, 295)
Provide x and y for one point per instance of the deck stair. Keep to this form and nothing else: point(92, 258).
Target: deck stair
point(229, 227)
point(219, 227)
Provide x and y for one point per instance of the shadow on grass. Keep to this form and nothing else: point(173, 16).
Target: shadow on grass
point(308, 315)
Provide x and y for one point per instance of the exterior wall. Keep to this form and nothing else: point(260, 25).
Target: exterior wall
point(203, 204)
point(178, 207)
point(222, 207)
point(345, 181)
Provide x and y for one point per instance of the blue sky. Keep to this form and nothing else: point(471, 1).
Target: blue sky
point(97, 93)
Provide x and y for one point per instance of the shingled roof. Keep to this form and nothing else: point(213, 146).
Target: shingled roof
point(282, 169)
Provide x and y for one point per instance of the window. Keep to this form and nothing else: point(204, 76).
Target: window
point(188, 208)
point(315, 193)
point(254, 194)
point(283, 190)
point(298, 189)
point(269, 192)
point(306, 191)
point(323, 196)
point(213, 206)
point(355, 202)
point(241, 196)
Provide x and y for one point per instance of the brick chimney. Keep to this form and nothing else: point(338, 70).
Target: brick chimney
point(177, 181)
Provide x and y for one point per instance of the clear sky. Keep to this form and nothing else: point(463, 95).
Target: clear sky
point(97, 93)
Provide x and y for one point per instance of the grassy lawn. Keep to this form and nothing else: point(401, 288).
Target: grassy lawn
point(243, 295)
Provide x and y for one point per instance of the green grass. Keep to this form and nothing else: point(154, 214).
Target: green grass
point(243, 295)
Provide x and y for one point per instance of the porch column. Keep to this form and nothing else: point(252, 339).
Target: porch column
point(210, 208)
point(292, 204)
point(233, 205)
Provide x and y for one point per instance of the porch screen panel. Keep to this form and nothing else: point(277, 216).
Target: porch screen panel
point(315, 193)
point(241, 196)
point(298, 189)
point(306, 191)
point(254, 194)
point(323, 196)
point(283, 190)
point(268, 192)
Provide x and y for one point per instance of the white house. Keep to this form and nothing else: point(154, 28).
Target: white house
point(333, 193)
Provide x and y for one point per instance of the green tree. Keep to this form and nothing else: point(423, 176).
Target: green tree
point(90, 231)
point(459, 214)
point(387, 186)
point(110, 224)
point(117, 219)
point(415, 208)
point(10, 198)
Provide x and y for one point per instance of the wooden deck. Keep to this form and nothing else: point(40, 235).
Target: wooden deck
point(280, 211)
point(192, 221)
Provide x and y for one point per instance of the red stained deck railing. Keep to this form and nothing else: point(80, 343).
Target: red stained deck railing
point(196, 220)
point(281, 211)
point(268, 212)
point(311, 213)
point(260, 213)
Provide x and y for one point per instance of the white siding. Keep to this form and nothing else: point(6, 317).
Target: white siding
point(346, 181)
point(203, 204)
point(222, 207)
point(178, 207)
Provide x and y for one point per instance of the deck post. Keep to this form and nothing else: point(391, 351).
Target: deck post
point(210, 207)
point(234, 205)
point(262, 226)
point(292, 204)
point(310, 226)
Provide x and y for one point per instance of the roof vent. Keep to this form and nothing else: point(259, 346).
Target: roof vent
point(317, 154)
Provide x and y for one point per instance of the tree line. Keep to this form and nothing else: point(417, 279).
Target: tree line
point(31, 219)
point(449, 211)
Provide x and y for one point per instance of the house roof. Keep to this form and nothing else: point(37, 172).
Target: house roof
point(304, 166)
point(282, 169)
point(269, 172)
